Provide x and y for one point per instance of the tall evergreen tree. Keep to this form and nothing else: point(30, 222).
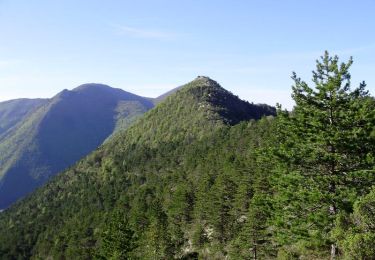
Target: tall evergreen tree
point(326, 152)
point(118, 240)
point(222, 218)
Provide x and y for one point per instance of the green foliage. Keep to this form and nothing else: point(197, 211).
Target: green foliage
point(204, 176)
point(356, 233)
point(118, 240)
point(325, 153)
point(154, 172)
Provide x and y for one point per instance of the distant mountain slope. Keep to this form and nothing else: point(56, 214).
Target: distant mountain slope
point(136, 171)
point(63, 130)
point(160, 98)
point(13, 112)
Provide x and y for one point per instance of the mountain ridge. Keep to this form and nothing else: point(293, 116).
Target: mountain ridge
point(144, 153)
point(60, 132)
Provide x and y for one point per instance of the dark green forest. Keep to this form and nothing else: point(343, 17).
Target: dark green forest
point(205, 175)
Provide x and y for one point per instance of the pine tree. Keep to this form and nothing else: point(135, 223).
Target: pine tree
point(326, 152)
point(118, 240)
point(256, 235)
point(222, 219)
point(254, 238)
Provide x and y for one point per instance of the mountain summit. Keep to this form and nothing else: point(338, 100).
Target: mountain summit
point(129, 171)
point(58, 132)
point(229, 107)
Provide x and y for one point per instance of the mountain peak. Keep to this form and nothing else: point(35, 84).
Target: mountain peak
point(198, 82)
point(102, 93)
point(175, 135)
point(205, 81)
point(47, 136)
point(201, 87)
point(91, 86)
point(208, 98)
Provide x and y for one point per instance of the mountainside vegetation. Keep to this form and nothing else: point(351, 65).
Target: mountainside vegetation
point(205, 175)
point(51, 135)
point(132, 168)
point(13, 112)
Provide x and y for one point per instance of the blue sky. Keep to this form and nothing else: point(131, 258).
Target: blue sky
point(149, 47)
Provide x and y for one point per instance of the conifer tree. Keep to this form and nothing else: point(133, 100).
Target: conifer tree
point(118, 240)
point(222, 218)
point(256, 235)
point(326, 152)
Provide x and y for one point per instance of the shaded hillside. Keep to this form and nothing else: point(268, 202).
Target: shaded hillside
point(140, 172)
point(59, 133)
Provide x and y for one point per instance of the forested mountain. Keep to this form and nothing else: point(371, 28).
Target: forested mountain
point(205, 175)
point(132, 173)
point(42, 137)
point(15, 111)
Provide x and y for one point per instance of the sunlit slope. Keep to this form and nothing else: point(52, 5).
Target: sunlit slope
point(74, 206)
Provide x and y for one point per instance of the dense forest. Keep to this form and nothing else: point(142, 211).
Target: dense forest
point(205, 175)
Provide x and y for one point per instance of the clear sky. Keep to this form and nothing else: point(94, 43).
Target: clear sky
point(250, 47)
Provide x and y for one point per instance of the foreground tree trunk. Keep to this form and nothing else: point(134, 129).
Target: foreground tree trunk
point(255, 252)
point(333, 251)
